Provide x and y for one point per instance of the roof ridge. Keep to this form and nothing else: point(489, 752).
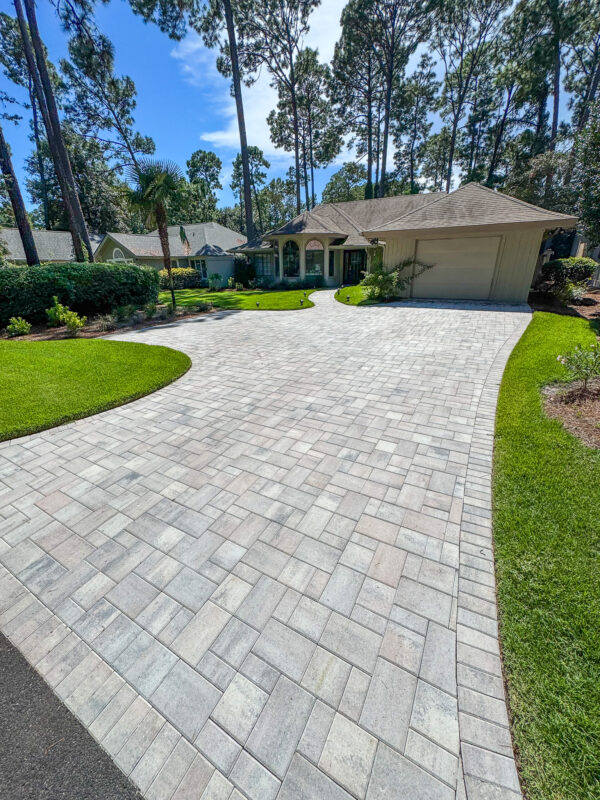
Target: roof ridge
point(516, 200)
point(444, 196)
point(346, 216)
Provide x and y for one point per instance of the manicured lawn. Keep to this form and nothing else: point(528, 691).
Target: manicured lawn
point(268, 300)
point(47, 383)
point(357, 296)
point(547, 543)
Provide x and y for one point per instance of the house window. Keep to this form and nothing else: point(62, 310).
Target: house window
point(200, 265)
point(118, 254)
point(332, 263)
point(263, 265)
point(291, 260)
point(314, 258)
point(175, 263)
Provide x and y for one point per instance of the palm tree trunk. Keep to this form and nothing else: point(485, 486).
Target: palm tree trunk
point(160, 213)
point(239, 104)
point(84, 243)
point(16, 201)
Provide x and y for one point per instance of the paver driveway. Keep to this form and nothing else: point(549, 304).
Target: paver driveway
point(268, 579)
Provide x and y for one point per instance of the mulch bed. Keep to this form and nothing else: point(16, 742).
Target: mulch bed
point(93, 329)
point(589, 307)
point(578, 411)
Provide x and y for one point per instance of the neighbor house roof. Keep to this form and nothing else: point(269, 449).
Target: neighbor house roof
point(204, 239)
point(472, 205)
point(50, 245)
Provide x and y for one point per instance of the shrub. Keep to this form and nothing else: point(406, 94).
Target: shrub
point(243, 271)
point(56, 313)
point(230, 283)
point(150, 310)
point(384, 285)
point(125, 313)
point(203, 307)
point(183, 278)
point(85, 288)
point(239, 287)
point(214, 281)
point(582, 363)
point(18, 326)
point(170, 309)
point(107, 322)
point(571, 292)
point(74, 322)
point(575, 269)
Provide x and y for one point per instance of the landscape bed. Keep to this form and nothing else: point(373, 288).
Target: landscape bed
point(547, 542)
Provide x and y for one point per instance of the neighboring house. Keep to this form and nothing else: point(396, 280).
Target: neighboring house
point(483, 245)
point(207, 248)
point(51, 245)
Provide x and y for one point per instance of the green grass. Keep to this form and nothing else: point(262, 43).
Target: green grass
point(357, 294)
point(47, 383)
point(269, 300)
point(547, 543)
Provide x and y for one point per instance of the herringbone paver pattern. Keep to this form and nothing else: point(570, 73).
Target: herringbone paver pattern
point(274, 578)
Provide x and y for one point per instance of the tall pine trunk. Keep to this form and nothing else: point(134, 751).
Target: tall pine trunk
point(451, 150)
point(239, 105)
point(498, 139)
point(555, 95)
point(296, 144)
point(386, 133)
point(369, 184)
point(16, 201)
point(38, 153)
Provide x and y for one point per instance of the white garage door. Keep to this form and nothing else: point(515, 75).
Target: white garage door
point(463, 268)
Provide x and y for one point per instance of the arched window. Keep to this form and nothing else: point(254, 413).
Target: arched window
point(314, 258)
point(291, 260)
point(118, 254)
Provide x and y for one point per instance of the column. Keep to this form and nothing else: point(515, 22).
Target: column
point(302, 244)
point(280, 246)
point(326, 262)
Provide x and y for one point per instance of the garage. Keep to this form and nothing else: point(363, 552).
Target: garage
point(463, 269)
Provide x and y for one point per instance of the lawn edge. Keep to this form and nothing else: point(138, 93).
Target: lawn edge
point(22, 433)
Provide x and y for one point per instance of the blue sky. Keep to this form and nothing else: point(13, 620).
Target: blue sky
point(183, 102)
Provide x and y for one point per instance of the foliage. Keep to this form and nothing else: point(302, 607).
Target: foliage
point(86, 288)
point(56, 313)
point(125, 313)
point(17, 326)
point(214, 281)
point(243, 271)
point(257, 164)
point(150, 310)
point(251, 300)
point(573, 269)
point(582, 363)
point(546, 489)
point(383, 285)
point(73, 322)
point(49, 383)
point(570, 292)
point(348, 183)
point(107, 322)
point(587, 175)
point(183, 278)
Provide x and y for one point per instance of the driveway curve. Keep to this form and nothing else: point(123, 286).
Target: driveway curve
point(274, 577)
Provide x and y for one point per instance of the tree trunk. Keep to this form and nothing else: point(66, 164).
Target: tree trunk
point(305, 174)
point(498, 139)
point(239, 104)
point(163, 235)
point(16, 201)
point(590, 98)
point(555, 96)
point(369, 184)
point(296, 143)
point(451, 150)
point(311, 162)
point(386, 132)
point(83, 240)
point(38, 153)
point(258, 208)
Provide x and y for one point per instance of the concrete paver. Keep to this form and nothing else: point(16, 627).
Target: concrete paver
point(274, 578)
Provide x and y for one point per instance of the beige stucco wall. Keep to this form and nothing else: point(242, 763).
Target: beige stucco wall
point(515, 263)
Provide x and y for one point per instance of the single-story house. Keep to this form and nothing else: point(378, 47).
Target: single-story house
point(206, 247)
point(483, 245)
point(51, 245)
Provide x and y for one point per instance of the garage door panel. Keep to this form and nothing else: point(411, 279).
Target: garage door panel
point(463, 268)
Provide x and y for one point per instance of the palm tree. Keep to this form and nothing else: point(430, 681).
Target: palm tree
point(155, 182)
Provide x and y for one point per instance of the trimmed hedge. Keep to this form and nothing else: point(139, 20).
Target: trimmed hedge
point(86, 288)
point(183, 278)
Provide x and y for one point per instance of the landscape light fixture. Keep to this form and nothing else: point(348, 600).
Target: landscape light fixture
point(257, 304)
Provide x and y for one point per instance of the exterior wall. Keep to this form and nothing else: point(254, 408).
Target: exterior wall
point(516, 260)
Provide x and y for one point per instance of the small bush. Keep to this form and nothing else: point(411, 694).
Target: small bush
point(150, 310)
point(170, 309)
point(107, 322)
point(125, 313)
point(230, 282)
point(183, 278)
point(74, 322)
point(201, 307)
point(244, 271)
point(383, 285)
point(239, 287)
point(86, 288)
point(561, 271)
point(56, 313)
point(214, 281)
point(571, 292)
point(582, 363)
point(18, 326)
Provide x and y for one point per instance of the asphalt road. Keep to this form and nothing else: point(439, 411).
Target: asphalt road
point(45, 753)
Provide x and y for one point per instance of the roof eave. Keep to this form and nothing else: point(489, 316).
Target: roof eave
point(545, 224)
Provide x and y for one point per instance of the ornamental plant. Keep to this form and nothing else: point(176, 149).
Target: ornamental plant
point(383, 285)
point(18, 326)
point(582, 363)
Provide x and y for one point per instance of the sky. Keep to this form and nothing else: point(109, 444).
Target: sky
point(183, 103)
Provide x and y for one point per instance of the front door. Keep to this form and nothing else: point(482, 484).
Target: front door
point(354, 265)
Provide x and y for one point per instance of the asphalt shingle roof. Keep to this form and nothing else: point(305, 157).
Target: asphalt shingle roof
point(51, 245)
point(205, 238)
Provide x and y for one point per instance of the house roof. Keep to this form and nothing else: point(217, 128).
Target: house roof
point(472, 205)
point(205, 239)
point(51, 245)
